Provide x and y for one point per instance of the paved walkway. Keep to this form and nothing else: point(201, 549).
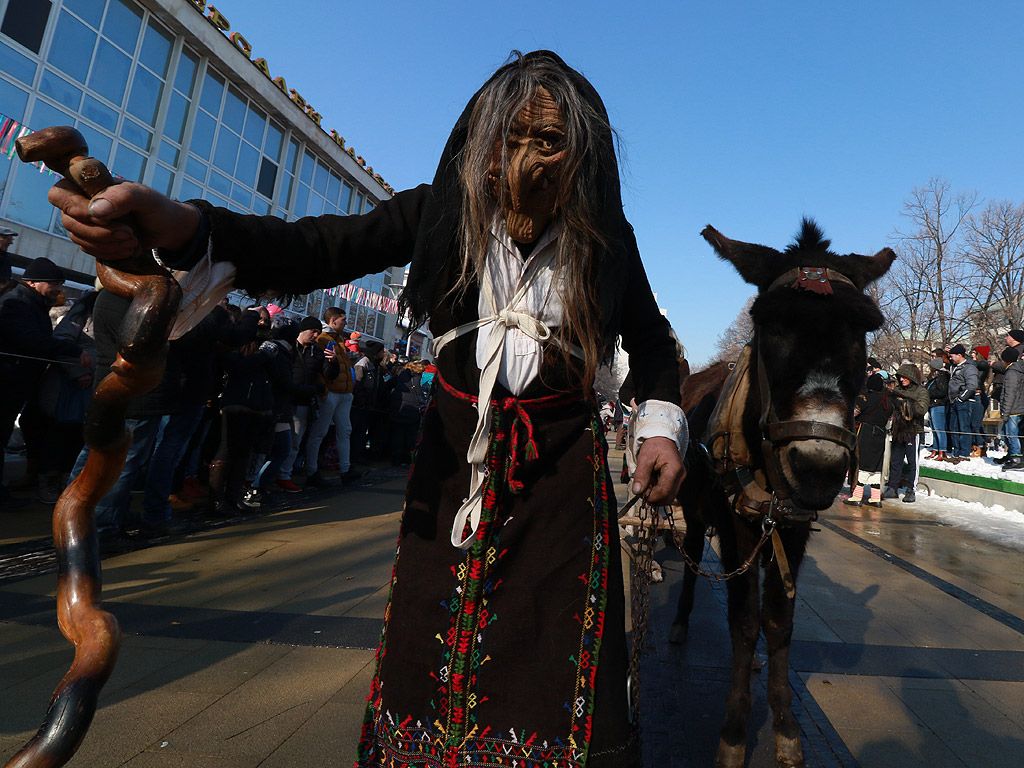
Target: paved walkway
point(251, 644)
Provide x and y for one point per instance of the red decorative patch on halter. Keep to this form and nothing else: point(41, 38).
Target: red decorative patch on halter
point(814, 279)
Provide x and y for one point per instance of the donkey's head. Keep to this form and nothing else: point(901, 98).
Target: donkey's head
point(810, 318)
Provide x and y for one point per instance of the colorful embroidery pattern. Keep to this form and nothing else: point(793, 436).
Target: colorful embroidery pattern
point(450, 735)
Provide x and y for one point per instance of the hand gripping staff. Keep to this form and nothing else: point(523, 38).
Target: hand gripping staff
point(139, 366)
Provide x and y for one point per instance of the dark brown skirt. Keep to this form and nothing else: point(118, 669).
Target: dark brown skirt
point(514, 652)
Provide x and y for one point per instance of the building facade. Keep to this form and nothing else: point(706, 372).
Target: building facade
point(167, 94)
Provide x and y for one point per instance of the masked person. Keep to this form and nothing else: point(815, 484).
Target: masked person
point(506, 613)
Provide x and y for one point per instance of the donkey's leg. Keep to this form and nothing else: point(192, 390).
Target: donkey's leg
point(777, 612)
point(693, 547)
point(744, 626)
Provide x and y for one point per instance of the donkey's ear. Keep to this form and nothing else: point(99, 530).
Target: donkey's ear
point(755, 263)
point(879, 264)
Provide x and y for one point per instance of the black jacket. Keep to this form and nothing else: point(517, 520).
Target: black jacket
point(407, 397)
point(197, 351)
point(938, 388)
point(25, 329)
point(247, 381)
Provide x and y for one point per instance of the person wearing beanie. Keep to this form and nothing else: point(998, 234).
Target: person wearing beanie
point(909, 408)
point(1014, 337)
point(1011, 408)
point(979, 441)
point(938, 391)
point(963, 389)
point(872, 411)
point(6, 241)
point(369, 378)
point(26, 334)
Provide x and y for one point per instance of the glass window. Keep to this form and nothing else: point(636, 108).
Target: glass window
point(226, 152)
point(255, 121)
point(124, 19)
point(320, 178)
point(346, 196)
point(220, 183)
point(195, 169)
point(71, 47)
point(201, 141)
point(316, 205)
point(357, 207)
point(163, 179)
point(241, 195)
point(213, 90)
point(156, 50)
point(168, 153)
point(308, 163)
point(90, 10)
point(60, 90)
point(128, 163)
point(333, 188)
point(267, 177)
point(217, 200)
point(136, 134)
point(99, 143)
point(186, 76)
point(301, 198)
point(248, 160)
point(99, 113)
point(110, 72)
point(272, 144)
point(12, 102)
point(234, 110)
point(286, 189)
point(293, 150)
point(260, 207)
point(174, 123)
point(27, 201)
point(16, 65)
point(369, 206)
point(190, 191)
point(145, 96)
point(44, 114)
point(25, 22)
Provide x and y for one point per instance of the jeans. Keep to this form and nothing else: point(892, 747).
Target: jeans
point(960, 429)
point(278, 454)
point(978, 408)
point(900, 453)
point(112, 509)
point(938, 417)
point(175, 432)
point(299, 423)
point(336, 410)
point(1012, 426)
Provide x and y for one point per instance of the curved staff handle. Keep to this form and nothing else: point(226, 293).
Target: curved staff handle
point(139, 367)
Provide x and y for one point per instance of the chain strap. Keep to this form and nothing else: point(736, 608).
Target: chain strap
point(767, 527)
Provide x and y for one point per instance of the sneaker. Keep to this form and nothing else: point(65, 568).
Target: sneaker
point(1013, 462)
point(253, 498)
point(874, 502)
point(287, 485)
point(350, 477)
point(316, 480)
point(909, 497)
point(853, 502)
point(889, 493)
point(1000, 459)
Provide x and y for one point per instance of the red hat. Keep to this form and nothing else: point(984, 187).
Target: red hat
point(983, 350)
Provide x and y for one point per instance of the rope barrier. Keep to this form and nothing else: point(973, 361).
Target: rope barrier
point(42, 359)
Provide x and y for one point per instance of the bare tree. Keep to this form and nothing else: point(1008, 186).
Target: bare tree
point(995, 249)
point(927, 297)
point(732, 340)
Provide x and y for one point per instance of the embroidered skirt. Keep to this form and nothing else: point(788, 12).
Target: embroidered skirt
point(512, 653)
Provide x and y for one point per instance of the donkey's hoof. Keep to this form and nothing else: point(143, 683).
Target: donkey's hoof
point(677, 635)
point(788, 753)
point(731, 755)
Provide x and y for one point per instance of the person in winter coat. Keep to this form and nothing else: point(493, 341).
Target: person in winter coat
point(1012, 407)
point(979, 440)
point(368, 381)
point(938, 391)
point(910, 406)
point(407, 403)
point(312, 367)
point(963, 388)
point(872, 412)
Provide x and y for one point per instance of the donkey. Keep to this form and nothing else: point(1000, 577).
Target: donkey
point(776, 449)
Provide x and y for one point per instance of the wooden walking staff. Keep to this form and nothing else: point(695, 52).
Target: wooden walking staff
point(139, 366)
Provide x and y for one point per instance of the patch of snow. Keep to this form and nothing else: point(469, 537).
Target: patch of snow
point(996, 524)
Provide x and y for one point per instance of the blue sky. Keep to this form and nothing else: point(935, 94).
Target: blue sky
point(746, 115)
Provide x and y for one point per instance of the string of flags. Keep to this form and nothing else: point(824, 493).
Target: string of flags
point(365, 297)
point(10, 131)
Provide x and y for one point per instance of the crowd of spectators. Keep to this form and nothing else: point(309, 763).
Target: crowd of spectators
point(251, 404)
point(970, 403)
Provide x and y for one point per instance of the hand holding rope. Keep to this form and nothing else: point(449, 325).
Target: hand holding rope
point(139, 366)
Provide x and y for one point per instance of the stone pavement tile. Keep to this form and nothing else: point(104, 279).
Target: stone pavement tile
point(974, 730)
point(1007, 697)
point(160, 758)
point(157, 641)
point(858, 701)
point(341, 593)
point(28, 654)
point(258, 716)
point(331, 736)
point(878, 748)
point(373, 605)
point(217, 668)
